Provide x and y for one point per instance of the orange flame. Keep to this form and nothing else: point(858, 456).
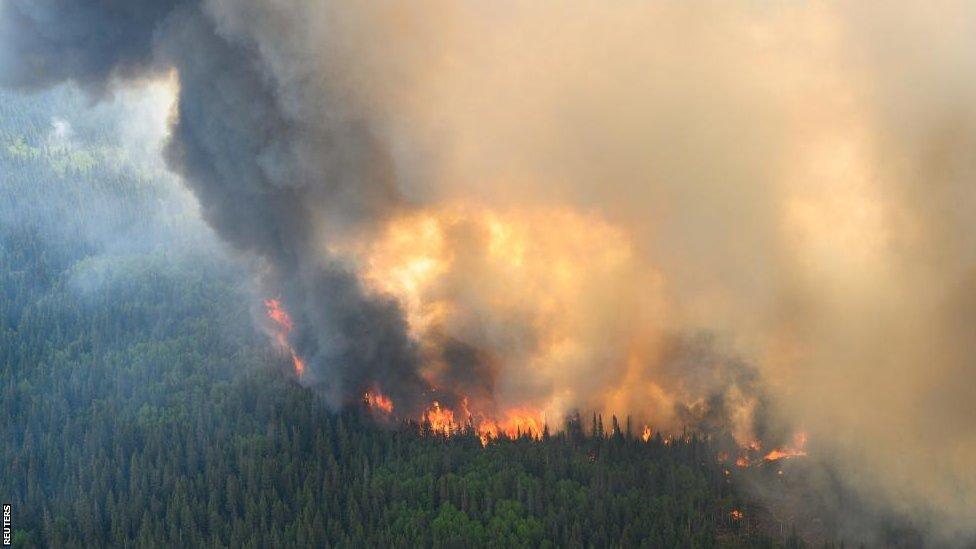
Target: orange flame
point(449, 422)
point(283, 325)
point(750, 453)
point(299, 364)
point(436, 264)
point(441, 419)
point(379, 402)
point(487, 431)
point(799, 441)
point(518, 422)
point(278, 315)
point(782, 454)
point(646, 435)
point(521, 422)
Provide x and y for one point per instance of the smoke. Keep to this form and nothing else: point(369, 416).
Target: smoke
point(535, 205)
point(252, 144)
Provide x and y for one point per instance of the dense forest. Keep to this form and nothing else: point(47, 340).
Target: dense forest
point(139, 406)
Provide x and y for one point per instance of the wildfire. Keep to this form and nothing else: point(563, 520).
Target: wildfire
point(799, 442)
point(508, 284)
point(516, 423)
point(441, 419)
point(278, 315)
point(750, 454)
point(282, 327)
point(736, 514)
point(448, 422)
point(646, 435)
point(379, 402)
point(298, 362)
point(782, 454)
point(487, 433)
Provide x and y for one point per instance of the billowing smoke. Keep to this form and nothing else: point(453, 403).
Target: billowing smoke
point(269, 155)
point(544, 206)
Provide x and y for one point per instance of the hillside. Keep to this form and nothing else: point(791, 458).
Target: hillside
point(140, 407)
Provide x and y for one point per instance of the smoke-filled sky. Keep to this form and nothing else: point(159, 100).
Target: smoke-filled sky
point(761, 210)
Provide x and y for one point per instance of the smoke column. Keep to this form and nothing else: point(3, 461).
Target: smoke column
point(543, 206)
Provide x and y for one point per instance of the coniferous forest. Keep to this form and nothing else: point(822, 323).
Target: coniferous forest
point(140, 407)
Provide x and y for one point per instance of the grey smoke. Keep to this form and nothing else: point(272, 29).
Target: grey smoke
point(89, 42)
point(799, 173)
point(256, 165)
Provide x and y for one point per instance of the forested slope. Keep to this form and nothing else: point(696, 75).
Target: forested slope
point(139, 406)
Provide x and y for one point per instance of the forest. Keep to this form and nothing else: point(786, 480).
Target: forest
point(140, 407)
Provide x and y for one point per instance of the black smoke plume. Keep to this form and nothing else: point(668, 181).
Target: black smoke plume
point(256, 163)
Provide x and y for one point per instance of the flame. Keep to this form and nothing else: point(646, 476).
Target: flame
point(646, 435)
point(441, 419)
point(449, 422)
point(517, 422)
point(379, 402)
point(278, 315)
point(298, 363)
point(797, 450)
point(736, 514)
point(782, 454)
point(487, 432)
point(509, 283)
point(513, 427)
point(749, 455)
point(282, 327)
point(747, 452)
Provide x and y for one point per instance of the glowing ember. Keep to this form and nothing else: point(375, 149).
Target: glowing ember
point(282, 326)
point(646, 435)
point(736, 514)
